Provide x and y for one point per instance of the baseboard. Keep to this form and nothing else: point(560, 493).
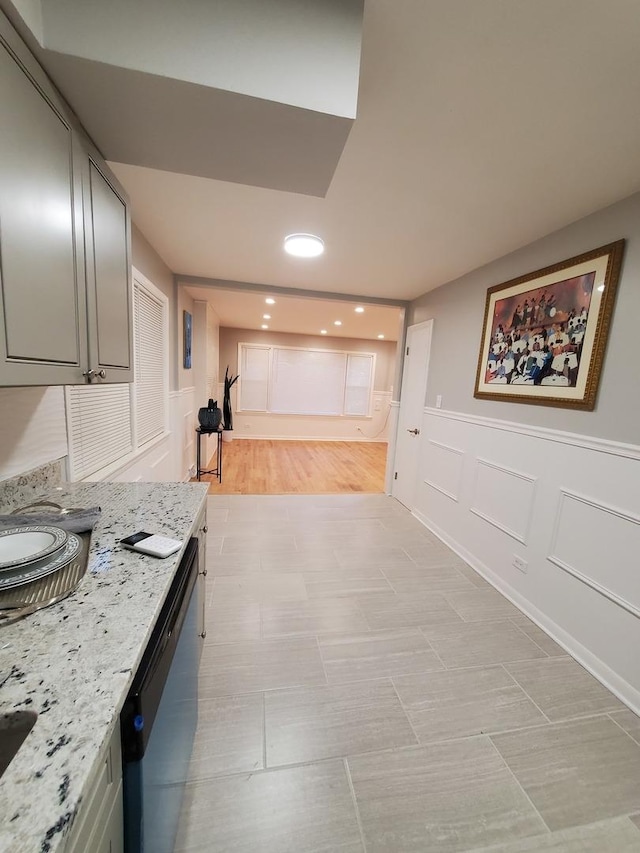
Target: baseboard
point(600, 670)
point(350, 438)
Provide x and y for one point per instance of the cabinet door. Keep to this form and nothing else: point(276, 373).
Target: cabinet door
point(202, 577)
point(42, 308)
point(109, 293)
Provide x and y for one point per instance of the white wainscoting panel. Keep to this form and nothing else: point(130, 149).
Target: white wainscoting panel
point(569, 507)
point(504, 497)
point(443, 467)
point(587, 537)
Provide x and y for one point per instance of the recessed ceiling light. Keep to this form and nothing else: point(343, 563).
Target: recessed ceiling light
point(303, 245)
point(381, 337)
point(270, 301)
point(264, 326)
point(266, 316)
point(323, 331)
point(337, 322)
point(359, 310)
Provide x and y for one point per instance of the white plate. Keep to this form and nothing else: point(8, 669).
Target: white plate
point(22, 545)
point(20, 575)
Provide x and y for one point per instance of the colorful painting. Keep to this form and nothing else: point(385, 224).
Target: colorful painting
point(545, 333)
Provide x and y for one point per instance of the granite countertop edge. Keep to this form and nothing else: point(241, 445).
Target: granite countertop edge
point(73, 663)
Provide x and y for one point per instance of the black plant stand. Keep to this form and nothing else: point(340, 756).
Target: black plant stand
point(218, 469)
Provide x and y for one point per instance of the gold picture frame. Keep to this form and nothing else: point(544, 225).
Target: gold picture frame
point(545, 333)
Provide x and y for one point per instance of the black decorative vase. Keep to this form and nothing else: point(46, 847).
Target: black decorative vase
point(228, 417)
point(211, 416)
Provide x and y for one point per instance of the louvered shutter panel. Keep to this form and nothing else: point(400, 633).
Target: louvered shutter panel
point(359, 384)
point(150, 354)
point(99, 426)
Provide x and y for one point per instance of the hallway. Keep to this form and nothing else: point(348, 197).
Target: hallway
point(363, 689)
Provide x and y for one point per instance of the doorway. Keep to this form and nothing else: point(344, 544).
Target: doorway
point(412, 400)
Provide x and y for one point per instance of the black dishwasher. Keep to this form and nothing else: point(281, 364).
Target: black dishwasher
point(159, 718)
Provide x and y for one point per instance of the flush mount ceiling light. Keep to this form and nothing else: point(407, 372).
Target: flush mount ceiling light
point(381, 337)
point(323, 331)
point(359, 310)
point(266, 316)
point(337, 322)
point(270, 301)
point(303, 245)
point(264, 326)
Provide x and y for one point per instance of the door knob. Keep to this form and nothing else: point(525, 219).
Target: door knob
point(414, 431)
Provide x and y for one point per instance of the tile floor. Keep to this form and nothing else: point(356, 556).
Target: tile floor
point(362, 690)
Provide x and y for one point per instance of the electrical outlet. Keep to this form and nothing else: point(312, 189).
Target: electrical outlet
point(520, 564)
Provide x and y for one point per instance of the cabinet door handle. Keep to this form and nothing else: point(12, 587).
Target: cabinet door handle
point(101, 373)
point(203, 635)
point(205, 529)
point(88, 374)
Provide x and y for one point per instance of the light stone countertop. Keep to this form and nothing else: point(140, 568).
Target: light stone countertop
point(73, 662)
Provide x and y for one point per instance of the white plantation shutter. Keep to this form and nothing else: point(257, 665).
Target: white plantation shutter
point(293, 380)
point(107, 424)
point(99, 426)
point(359, 383)
point(254, 378)
point(150, 355)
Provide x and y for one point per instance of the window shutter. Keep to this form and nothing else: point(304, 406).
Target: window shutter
point(254, 378)
point(150, 353)
point(296, 381)
point(359, 383)
point(308, 382)
point(99, 425)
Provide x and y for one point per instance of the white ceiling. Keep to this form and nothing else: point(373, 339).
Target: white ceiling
point(481, 126)
point(306, 316)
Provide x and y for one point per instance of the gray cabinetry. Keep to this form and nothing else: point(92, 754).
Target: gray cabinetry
point(65, 317)
point(108, 276)
point(202, 530)
point(98, 825)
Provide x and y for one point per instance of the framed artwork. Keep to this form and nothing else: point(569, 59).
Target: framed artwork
point(545, 333)
point(188, 323)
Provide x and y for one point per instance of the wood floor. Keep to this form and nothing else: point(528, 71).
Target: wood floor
point(264, 467)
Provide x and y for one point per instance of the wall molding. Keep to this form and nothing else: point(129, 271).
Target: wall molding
point(621, 688)
point(454, 496)
point(576, 573)
point(523, 537)
point(599, 445)
point(349, 438)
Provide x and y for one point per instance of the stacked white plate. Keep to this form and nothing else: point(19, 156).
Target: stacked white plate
point(30, 553)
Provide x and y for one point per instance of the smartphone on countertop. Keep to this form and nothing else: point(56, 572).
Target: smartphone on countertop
point(152, 544)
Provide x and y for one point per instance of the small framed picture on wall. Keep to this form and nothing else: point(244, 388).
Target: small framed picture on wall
point(188, 323)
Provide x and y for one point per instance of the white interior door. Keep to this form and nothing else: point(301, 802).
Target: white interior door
point(412, 399)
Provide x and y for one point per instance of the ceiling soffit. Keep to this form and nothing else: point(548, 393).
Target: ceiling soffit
point(258, 93)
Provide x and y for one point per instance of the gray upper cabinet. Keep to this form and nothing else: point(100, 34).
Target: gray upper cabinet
point(65, 278)
point(107, 245)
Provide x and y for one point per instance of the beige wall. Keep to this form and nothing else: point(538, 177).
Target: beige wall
point(276, 426)
point(385, 350)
